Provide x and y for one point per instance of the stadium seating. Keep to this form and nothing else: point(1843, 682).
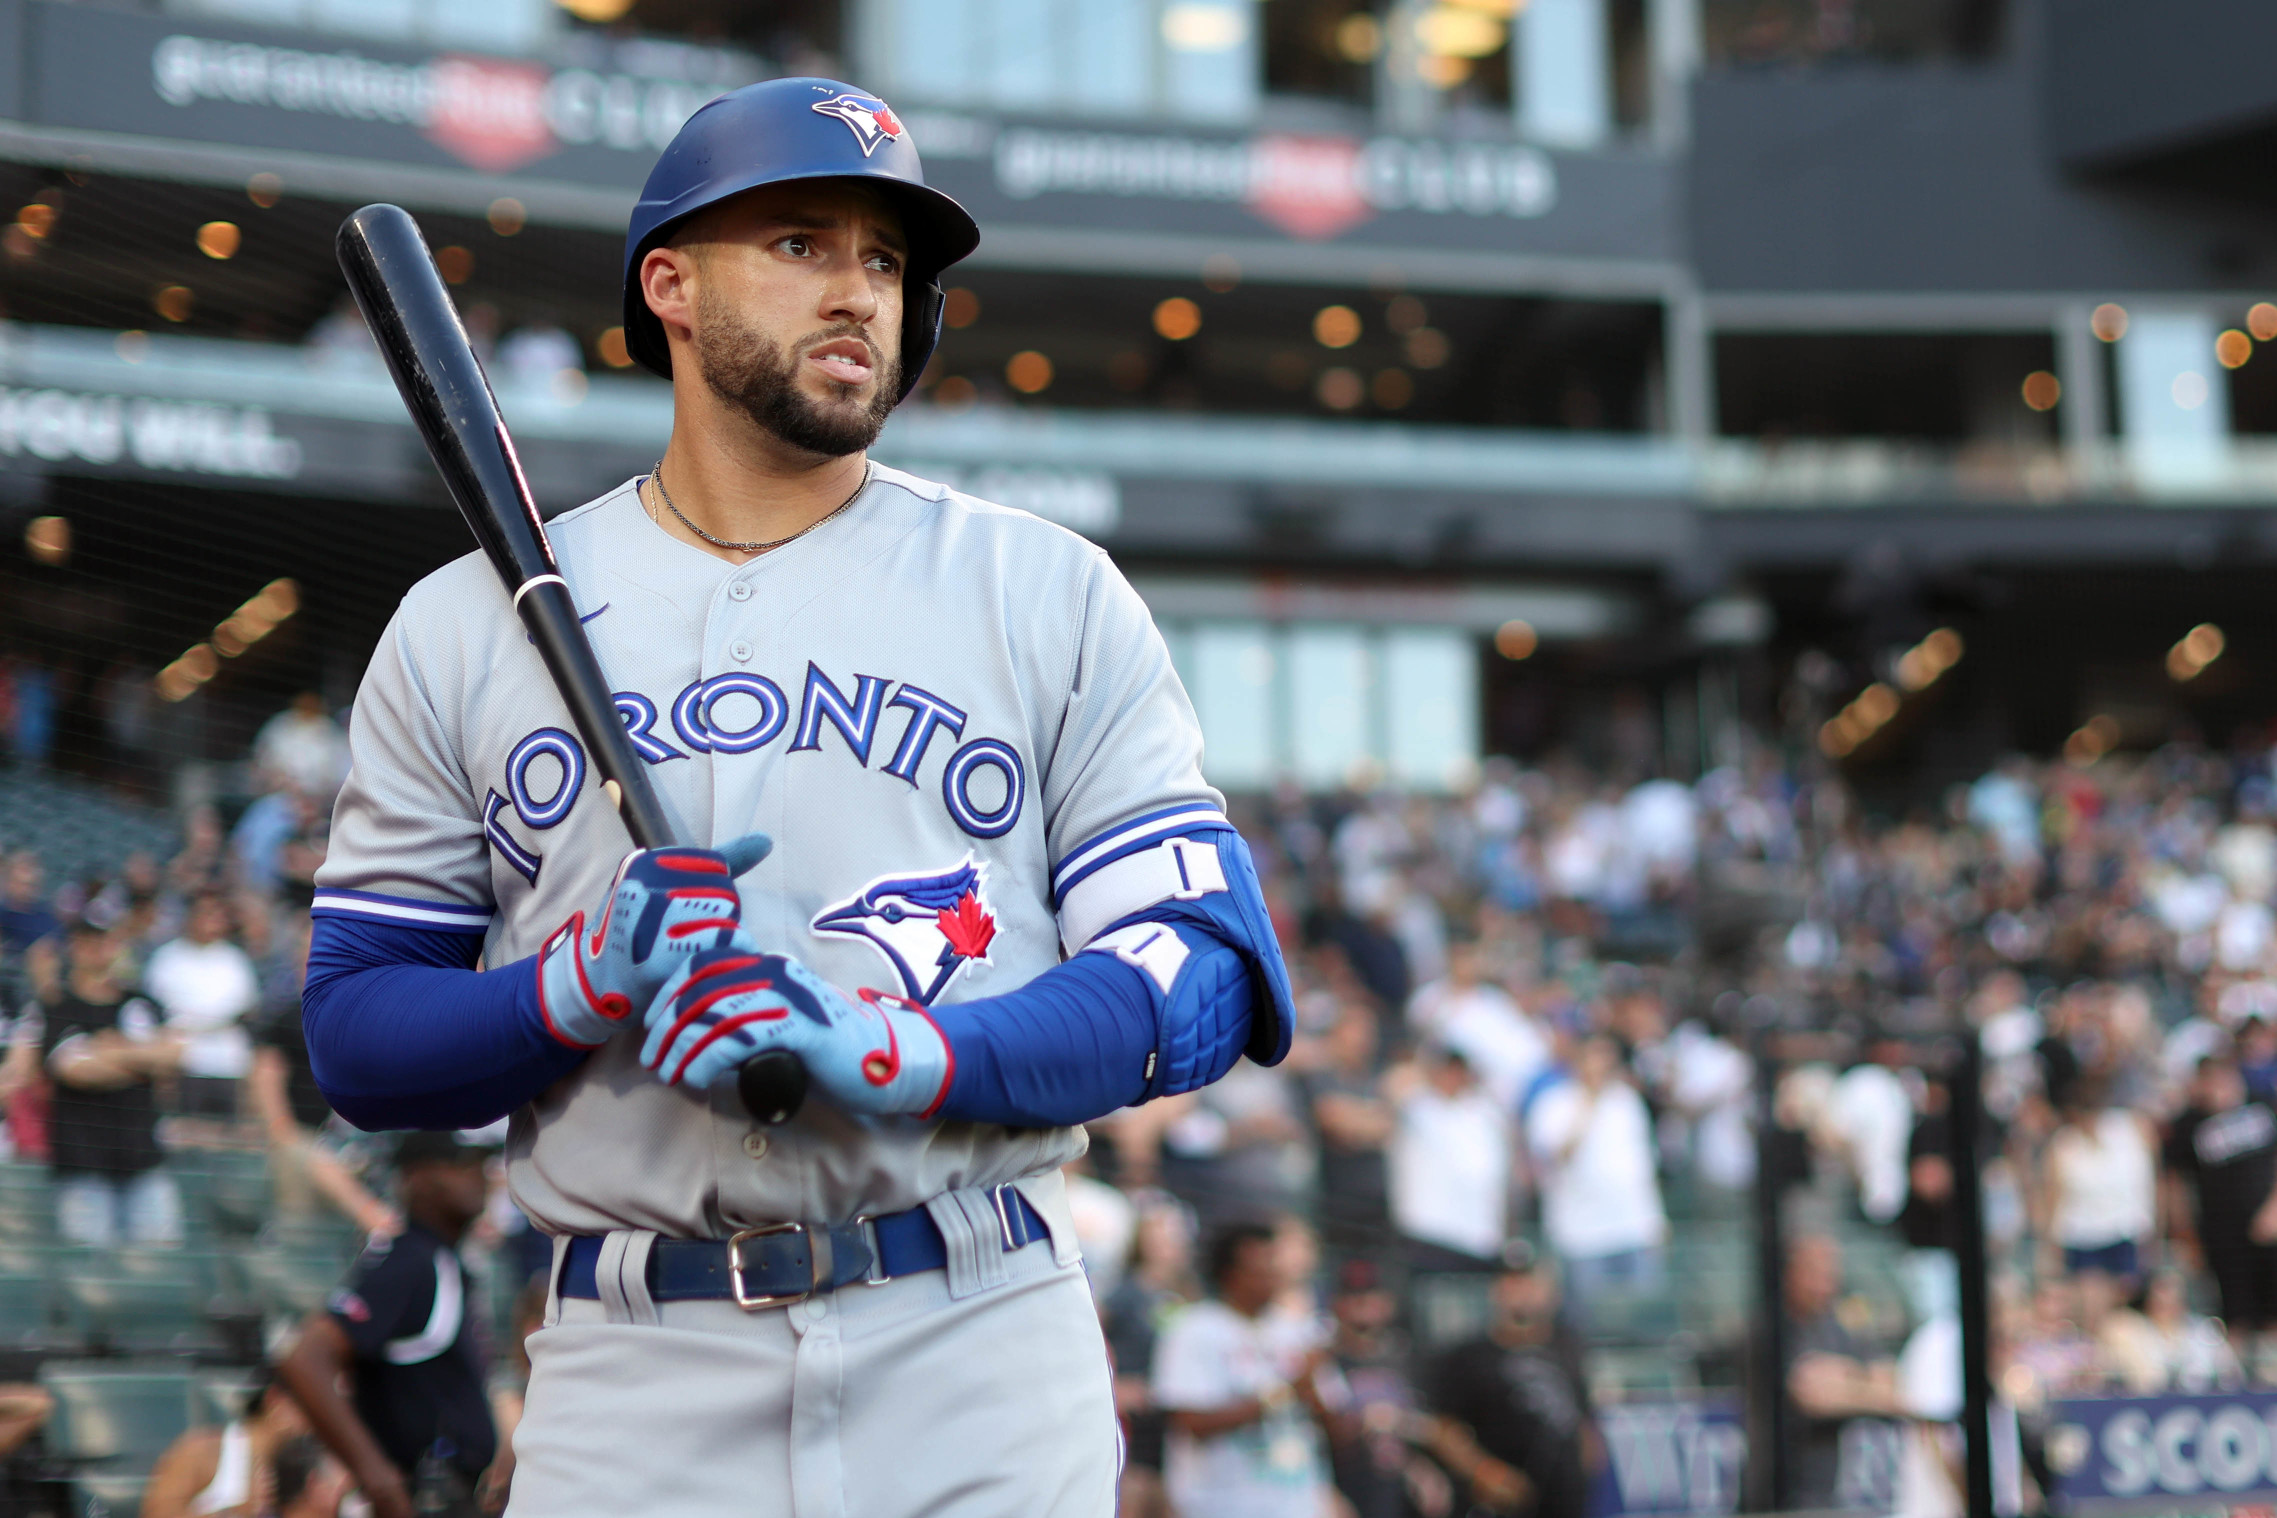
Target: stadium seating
point(79, 830)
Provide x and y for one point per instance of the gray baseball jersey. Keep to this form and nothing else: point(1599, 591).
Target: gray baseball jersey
point(931, 703)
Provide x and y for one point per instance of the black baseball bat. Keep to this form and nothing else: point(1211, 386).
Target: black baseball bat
point(412, 317)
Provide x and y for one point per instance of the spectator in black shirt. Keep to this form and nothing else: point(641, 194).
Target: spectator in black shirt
point(1351, 1123)
point(400, 1335)
point(1514, 1421)
point(1838, 1392)
point(102, 1048)
point(2222, 1151)
point(1928, 1220)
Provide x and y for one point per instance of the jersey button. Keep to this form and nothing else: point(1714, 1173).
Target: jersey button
point(739, 652)
point(755, 1145)
point(739, 591)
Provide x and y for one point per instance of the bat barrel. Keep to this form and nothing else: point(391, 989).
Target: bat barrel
point(416, 324)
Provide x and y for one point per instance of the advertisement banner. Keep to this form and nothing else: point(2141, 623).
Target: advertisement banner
point(2176, 1453)
point(594, 112)
point(1670, 1457)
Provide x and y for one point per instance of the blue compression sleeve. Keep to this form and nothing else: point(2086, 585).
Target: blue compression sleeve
point(1085, 1037)
point(403, 1032)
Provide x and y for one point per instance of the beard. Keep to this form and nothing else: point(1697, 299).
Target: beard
point(753, 374)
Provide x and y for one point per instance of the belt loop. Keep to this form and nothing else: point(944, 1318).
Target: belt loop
point(552, 1316)
point(1004, 1215)
point(621, 1277)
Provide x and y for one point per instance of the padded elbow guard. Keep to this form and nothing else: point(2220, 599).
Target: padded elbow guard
point(1189, 912)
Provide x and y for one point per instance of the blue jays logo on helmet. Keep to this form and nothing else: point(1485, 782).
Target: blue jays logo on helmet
point(870, 119)
point(927, 926)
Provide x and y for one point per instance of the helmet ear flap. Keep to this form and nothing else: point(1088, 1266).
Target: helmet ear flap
point(920, 333)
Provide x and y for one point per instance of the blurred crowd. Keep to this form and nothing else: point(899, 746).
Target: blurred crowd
point(1537, 1021)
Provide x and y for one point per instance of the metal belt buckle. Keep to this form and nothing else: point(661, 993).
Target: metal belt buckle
point(735, 1267)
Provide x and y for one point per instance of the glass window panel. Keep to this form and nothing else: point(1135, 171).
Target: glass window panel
point(1564, 83)
point(1211, 59)
point(1431, 705)
point(1232, 688)
point(1113, 50)
point(1328, 695)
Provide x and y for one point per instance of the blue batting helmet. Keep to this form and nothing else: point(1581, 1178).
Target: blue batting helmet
point(787, 129)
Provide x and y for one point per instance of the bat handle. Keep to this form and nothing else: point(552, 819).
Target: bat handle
point(772, 1086)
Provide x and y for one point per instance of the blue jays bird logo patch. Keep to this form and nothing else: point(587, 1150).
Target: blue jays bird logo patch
point(870, 119)
point(927, 926)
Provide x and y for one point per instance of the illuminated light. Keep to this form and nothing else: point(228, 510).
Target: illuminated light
point(1340, 389)
point(265, 190)
point(2190, 390)
point(2042, 390)
point(955, 393)
point(1405, 314)
point(1914, 671)
point(132, 345)
point(1877, 703)
point(37, 219)
point(174, 302)
point(1336, 326)
point(1516, 639)
point(200, 663)
point(1834, 740)
point(1028, 372)
point(2109, 321)
point(232, 640)
point(2194, 650)
point(1428, 348)
point(2233, 348)
point(281, 598)
point(1195, 26)
point(610, 346)
point(599, 12)
point(18, 243)
point(455, 262)
point(1923, 664)
point(2096, 737)
point(1458, 31)
point(1221, 272)
point(568, 386)
point(1177, 318)
point(960, 308)
point(219, 239)
point(508, 216)
point(1359, 39)
point(1442, 72)
point(1392, 389)
point(48, 539)
point(2261, 321)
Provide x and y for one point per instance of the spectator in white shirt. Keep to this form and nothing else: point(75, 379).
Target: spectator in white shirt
point(304, 748)
point(1251, 1393)
point(1450, 1166)
point(1592, 1145)
point(1466, 1011)
point(206, 985)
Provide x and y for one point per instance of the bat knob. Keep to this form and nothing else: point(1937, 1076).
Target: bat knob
point(772, 1086)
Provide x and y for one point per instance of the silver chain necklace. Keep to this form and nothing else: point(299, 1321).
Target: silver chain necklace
point(657, 474)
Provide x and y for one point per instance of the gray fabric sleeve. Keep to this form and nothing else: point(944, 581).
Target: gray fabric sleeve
point(408, 822)
point(1129, 743)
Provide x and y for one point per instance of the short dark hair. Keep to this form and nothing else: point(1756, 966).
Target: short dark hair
point(292, 1466)
point(1226, 1249)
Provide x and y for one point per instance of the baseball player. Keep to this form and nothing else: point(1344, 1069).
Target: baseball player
point(1000, 900)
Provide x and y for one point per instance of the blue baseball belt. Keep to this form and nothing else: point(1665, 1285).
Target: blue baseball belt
point(777, 1264)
